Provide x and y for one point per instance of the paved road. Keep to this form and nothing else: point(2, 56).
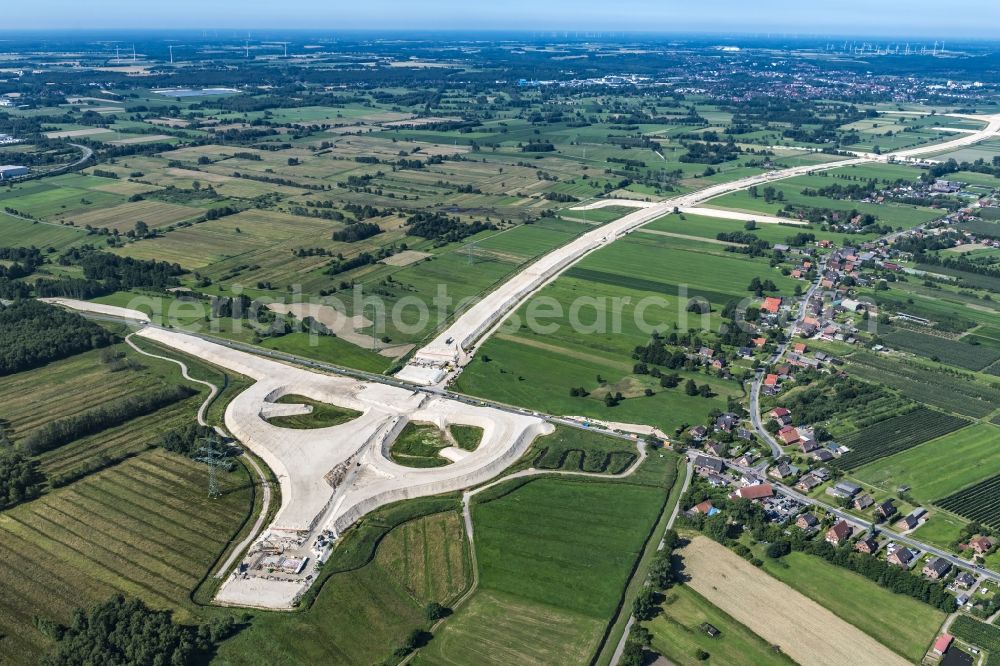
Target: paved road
point(623, 641)
point(864, 524)
point(777, 356)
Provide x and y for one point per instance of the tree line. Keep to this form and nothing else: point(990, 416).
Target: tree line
point(62, 431)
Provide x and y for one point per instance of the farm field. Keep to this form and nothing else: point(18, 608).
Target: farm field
point(938, 467)
point(591, 335)
point(677, 633)
point(709, 227)
point(952, 352)
point(588, 532)
point(982, 635)
point(979, 502)
point(75, 384)
point(806, 631)
point(361, 615)
point(894, 435)
point(22, 233)
point(96, 537)
point(923, 383)
point(901, 623)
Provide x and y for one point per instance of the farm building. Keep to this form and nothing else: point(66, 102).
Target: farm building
point(942, 644)
point(12, 171)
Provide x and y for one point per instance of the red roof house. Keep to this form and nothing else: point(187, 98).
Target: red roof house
point(771, 304)
point(771, 380)
point(838, 533)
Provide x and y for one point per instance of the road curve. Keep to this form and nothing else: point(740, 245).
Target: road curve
point(261, 477)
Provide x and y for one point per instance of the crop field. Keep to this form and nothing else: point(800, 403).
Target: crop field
point(961, 354)
point(940, 466)
point(74, 385)
point(21, 233)
point(549, 585)
point(894, 435)
point(360, 616)
point(979, 502)
point(981, 634)
point(595, 330)
point(960, 394)
point(710, 227)
point(901, 623)
point(145, 528)
point(806, 631)
point(677, 633)
point(122, 218)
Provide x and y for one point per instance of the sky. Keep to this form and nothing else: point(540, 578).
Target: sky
point(891, 18)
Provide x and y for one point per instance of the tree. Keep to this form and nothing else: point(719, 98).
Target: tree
point(644, 607)
point(20, 478)
point(141, 229)
point(690, 388)
point(778, 549)
point(435, 611)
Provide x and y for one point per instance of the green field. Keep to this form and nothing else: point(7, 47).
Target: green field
point(678, 636)
point(145, 528)
point(579, 450)
point(591, 335)
point(419, 445)
point(905, 625)
point(554, 556)
point(938, 467)
point(361, 615)
point(323, 414)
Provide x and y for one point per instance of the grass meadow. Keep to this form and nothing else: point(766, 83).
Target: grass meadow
point(905, 625)
point(554, 555)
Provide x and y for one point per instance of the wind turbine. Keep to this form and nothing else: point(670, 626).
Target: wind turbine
point(171, 47)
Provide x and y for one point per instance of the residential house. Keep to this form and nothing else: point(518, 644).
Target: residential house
point(788, 434)
point(823, 455)
point(771, 380)
point(781, 415)
point(981, 545)
point(808, 444)
point(771, 305)
point(716, 480)
point(783, 471)
point(867, 545)
point(698, 432)
point(704, 465)
point(937, 568)
point(807, 483)
point(806, 521)
point(746, 459)
point(885, 509)
point(839, 533)
point(862, 502)
point(717, 449)
point(965, 580)
point(705, 508)
point(901, 557)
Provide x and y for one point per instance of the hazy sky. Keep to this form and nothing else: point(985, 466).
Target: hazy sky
point(970, 18)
